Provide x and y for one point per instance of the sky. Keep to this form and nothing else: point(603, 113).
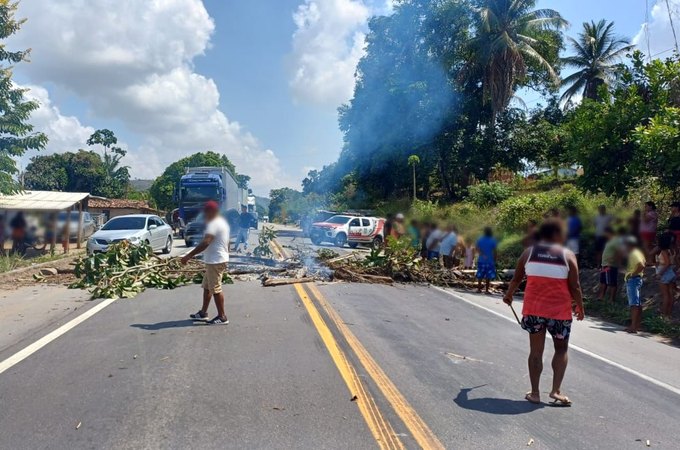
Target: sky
point(257, 80)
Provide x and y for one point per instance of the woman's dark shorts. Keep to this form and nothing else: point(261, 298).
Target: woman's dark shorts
point(558, 329)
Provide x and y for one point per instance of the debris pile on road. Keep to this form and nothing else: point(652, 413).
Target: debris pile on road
point(398, 261)
point(125, 270)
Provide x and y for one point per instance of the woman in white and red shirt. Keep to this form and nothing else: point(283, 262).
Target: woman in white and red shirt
point(552, 284)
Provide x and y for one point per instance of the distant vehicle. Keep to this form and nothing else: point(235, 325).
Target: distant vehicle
point(265, 219)
point(89, 225)
point(201, 184)
point(137, 229)
point(195, 230)
point(252, 210)
point(341, 230)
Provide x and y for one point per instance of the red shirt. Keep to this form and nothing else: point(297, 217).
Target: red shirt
point(547, 293)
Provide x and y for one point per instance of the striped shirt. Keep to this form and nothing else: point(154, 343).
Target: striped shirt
point(547, 292)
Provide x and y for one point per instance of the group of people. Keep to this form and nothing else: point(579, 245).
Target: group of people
point(442, 242)
point(634, 248)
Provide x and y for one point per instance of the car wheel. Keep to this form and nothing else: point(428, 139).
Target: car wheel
point(168, 246)
point(353, 244)
point(316, 239)
point(377, 242)
point(340, 240)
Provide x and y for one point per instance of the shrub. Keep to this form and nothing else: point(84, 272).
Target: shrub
point(489, 194)
point(514, 213)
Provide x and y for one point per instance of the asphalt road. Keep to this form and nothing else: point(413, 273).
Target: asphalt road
point(327, 366)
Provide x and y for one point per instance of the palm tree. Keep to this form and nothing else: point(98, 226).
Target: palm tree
point(511, 34)
point(597, 54)
point(413, 161)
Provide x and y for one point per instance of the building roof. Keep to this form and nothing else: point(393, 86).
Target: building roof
point(41, 200)
point(118, 203)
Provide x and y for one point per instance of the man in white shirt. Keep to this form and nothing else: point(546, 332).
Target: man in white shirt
point(448, 245)
point(602, 222)
point(215, 244)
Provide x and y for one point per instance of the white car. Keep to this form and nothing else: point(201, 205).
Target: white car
point(340, 230)
point(137, 229)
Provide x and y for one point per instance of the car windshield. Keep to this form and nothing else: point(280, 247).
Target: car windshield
point(200, 193)
point(338, 219)
point(125, 223)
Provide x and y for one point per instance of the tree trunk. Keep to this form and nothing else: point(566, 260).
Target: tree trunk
point(414, 184)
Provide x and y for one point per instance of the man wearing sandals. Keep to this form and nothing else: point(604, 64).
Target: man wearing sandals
point(552, 284)
point(215, 244)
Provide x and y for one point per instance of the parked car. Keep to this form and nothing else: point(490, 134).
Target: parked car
point(137, 229)
point(89, 225)
point(340, 230)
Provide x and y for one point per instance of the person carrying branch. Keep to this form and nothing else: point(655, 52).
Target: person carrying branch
point(552, 284)
point(215, 244)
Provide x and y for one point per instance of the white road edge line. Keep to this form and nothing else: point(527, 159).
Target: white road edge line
point(43, 341)
point(652, 380)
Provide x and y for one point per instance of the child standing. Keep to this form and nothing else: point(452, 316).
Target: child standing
point(634, 272)
point(665, 272)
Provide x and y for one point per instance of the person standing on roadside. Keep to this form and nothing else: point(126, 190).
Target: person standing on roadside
point(552, 284)
point(244, 222)
point(434, 241)
point(414, 233)
point(648, 228)
point(486, 262)
point(18, 225)
point(665, 272)
point(634, 272)
point(215, 244)
point(611, 259)
point(634, 224)
point(398, 227)
point(602, 222)
point(389, 224)
point(574, 229)
point(448, 247)
point(674, 223)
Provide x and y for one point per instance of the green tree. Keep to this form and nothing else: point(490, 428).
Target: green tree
point(16, 135)
point(164, 186)
point(116, 184)
point(47, 173)
point(512, 39)
point(82, 171)
point(597, 54)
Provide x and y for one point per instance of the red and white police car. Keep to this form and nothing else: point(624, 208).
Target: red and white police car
point(352, 230)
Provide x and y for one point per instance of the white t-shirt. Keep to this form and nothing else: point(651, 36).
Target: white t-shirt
point(601, 223)
point(218, 250)
point(448, 244)
point(434, 240)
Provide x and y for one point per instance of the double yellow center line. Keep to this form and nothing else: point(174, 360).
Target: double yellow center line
point(380, 428)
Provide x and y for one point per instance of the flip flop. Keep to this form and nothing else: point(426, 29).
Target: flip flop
point(560, 400)
point(528, 397)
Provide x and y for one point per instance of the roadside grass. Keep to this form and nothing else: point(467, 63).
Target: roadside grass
point(619, 314)
point(13, 262)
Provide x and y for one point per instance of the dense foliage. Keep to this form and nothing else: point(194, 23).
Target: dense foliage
point(16, 134)
point(81, 171)
point(437, 83)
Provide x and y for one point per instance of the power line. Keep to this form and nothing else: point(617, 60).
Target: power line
point(670, 17)
point(647, 36)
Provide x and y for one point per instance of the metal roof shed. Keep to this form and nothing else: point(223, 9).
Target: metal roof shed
point(47, 201)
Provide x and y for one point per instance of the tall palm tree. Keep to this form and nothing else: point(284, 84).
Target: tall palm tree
point(510, 35)
point(597, 53)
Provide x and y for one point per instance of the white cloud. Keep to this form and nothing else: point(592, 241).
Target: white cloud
point(131, 61)
point(66, 133)
point(327, 45)
point(661, 40)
